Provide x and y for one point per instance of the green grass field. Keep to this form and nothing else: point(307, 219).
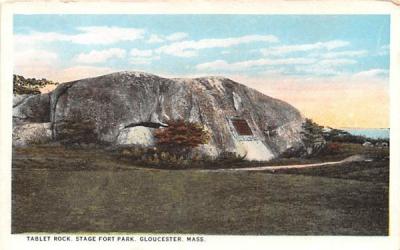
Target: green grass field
point(58, 190)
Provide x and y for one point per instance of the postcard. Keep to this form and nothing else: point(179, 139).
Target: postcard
point(200, 125)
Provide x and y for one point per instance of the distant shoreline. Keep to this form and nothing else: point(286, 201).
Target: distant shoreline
point(375, 133)
point(360, 128)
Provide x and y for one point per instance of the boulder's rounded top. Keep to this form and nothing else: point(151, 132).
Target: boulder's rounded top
point(216, 82)
point(213, 78)
point(201, 79)
point(133, 74)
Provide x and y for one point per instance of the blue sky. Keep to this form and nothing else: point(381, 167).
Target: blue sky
point(362, 42)
point(286, 56)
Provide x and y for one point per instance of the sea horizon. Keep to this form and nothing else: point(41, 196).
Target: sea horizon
point(382, 133)
point(357, 128)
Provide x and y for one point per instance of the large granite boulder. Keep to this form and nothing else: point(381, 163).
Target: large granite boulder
point(127, 105)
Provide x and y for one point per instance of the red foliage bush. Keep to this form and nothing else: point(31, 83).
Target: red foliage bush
point(180, 136)
point(333, 147)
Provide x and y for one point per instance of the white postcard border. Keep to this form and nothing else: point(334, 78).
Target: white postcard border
point(18, 241)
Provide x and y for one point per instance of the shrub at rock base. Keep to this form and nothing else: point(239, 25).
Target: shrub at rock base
point(180, 137)
point(76, 130)
point(156, 157)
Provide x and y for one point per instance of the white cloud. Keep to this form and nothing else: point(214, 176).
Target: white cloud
point(34, 58)
point(35, 37)
point(347, 53)
point(328, 61)
point(142, 57)
point(142, 53)
point(53, 71)
point(325, 67)
point(88, 35)
point(215, 65)
point(141, 60)
point(172, 37)
point(39, 63)
point(336, 62)
point(285, 49)
point(34, 62)
point(189, 48)
point(383, 50)
point(100, 56)
point(177, 36)
point(372, 73)
point(183, 53)
point(385, 47)
point(155, 39)
point(273, 71)
point(106, 35)
point(295, 65)
point(317, 70)
point(237, 66)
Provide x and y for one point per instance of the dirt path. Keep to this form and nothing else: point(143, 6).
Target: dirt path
point(299, 166)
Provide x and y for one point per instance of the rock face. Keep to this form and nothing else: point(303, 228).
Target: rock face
point(31, 119)
point(240, 119)
point(139, 135)
point(31, 108)
point(31, 133)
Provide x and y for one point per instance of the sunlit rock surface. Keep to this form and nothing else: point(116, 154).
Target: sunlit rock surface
point(139, 135)
point(31, 133)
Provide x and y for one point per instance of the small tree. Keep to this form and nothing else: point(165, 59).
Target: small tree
point(311, 131)
point(312, 136)
point(180, 136)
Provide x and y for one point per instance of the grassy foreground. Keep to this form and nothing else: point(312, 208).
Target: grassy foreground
point(87, 190)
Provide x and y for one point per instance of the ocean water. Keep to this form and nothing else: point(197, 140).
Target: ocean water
point(375, 133)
